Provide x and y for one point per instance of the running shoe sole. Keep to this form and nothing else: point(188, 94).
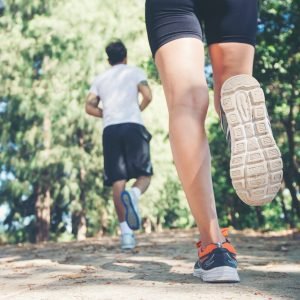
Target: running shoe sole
point(219, 274)
point(128, 247)
point(131, 215)
point(256, 164)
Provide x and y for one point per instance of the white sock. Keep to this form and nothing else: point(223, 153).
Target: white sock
point(137, 192)
point(125, 228)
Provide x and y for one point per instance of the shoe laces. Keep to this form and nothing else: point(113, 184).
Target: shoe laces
point(204, 251)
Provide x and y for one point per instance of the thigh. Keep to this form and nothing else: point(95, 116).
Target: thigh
point(230, 21)
point(167, 20)
point(181, 68)
point(113, 153)
point(136, 141)
point(230, 28)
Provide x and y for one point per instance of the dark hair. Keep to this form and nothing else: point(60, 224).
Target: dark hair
point(116, 52)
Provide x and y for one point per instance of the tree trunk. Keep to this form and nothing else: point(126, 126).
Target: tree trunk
point(289, 184)
point(82, 229)
point(42, 212)
point(291, 173)
point(287, 219)
point(82, 226)
point(43, 198)
point(147, 225)
point(231, 208)
point(260, 216)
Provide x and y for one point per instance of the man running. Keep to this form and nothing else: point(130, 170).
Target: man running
point(125, 139)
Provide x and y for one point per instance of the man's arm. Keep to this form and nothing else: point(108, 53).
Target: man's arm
point(91, 106)
point(145, 90)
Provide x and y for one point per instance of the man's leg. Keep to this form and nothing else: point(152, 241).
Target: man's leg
point(138, 165)
point(118, 187)
point(130, 200)
point(127, 236)
point(181, 67)
point(142, 183)
point(139, 187)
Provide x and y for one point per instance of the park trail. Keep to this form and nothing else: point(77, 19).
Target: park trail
point(159, 268)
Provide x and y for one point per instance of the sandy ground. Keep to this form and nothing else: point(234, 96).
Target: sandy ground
point(159, 268)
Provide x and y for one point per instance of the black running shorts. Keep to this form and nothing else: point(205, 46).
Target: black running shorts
point(222, 20)
point(126, 152)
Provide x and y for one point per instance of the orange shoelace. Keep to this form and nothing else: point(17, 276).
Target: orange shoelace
point(209, 248)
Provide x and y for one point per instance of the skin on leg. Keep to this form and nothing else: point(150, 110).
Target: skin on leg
point(229, 59)
point(142, 183)
point(118, 187)
point(181, 68)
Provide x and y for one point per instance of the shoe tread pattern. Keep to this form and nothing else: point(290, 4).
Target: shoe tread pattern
point(131, 215)
point(256, 164)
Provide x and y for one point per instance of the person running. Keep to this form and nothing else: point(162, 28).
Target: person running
point(126, 141)
point(175, 33)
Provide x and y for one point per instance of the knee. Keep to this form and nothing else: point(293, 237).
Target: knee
point(193, 101)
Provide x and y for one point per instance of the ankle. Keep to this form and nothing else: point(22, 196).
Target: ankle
point(207, 239)
point(206, 243)
point(136, 191)
point(125, 228)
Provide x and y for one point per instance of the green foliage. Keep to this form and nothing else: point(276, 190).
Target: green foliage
point(173, 209)
point(277, 68)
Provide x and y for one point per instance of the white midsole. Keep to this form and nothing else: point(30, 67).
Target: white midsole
point(219, 274)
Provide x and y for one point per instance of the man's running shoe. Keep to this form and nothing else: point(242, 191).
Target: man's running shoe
point(127, 241)
point(256, 164)
point(131, 210)
point(217, 262)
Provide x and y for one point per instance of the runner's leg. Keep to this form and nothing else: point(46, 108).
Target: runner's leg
point(142, 183)
point(181, 67)
point(229, 59)
point(118, 187)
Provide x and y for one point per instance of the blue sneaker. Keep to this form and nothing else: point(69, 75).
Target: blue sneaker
point(131, 210)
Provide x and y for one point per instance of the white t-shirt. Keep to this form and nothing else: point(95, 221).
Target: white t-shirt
point(117, 89)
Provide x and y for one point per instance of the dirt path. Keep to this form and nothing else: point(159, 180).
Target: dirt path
point(160, 268)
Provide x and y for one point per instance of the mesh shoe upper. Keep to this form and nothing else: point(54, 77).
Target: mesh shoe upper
point(216, 254)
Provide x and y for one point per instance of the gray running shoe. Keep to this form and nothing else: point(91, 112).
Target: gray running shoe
point(256, 164)
point(128, 241)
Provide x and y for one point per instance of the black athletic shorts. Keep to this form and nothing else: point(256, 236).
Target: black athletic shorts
point(126, 151)
point(222, 20)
